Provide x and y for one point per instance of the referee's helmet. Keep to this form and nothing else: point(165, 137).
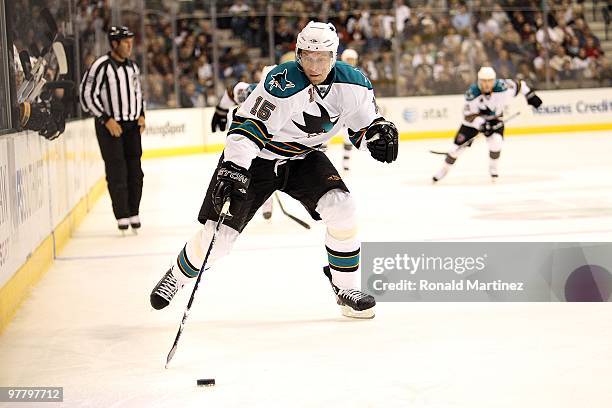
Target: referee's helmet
point(118, 33)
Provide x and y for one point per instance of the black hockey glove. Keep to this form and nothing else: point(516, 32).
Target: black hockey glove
point(491, 126)
point(533, 99)
point(382, 141)
point(232, 182)
point(57, 121)
point(219, 119)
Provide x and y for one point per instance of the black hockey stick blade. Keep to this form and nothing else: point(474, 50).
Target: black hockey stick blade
point(24, 58)
point(293, 217)
point(437, 152)
point(62, 84)
point(34, 50)
point(50, 21)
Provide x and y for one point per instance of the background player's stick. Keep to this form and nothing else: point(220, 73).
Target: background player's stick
point(293, 217)
point(499, 125)
point(224, 213)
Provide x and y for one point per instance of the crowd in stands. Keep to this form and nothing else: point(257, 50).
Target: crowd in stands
point(406, 48)
point(439, 49)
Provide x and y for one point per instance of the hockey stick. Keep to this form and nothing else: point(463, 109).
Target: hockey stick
point(293, 217)
point(498, 126)
point(30, 89)
point(224, 213)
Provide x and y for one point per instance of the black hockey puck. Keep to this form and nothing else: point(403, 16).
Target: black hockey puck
point(206, 382)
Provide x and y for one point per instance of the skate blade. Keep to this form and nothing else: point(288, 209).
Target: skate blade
point(356, 314)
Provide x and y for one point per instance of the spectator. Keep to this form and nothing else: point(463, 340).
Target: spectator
point(604, 72)
point(526, 73)
point(462, 19)
point(190, 98)
point(283, 36)
point(573, 48)
point(504, 65)
point(402, 13)
point(412, 27)
point(239, 11)
point(499, 15)
point(592, 50)
point(452, 40)
point(488, 27)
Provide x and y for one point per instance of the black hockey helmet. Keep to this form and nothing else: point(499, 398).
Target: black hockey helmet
point(118, 33)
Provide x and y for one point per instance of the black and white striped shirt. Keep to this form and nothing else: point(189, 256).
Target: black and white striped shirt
point(112, 89)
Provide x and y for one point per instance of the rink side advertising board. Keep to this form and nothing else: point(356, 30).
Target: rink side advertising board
point(45, 189)
point(562, 111)
point(185, 131)
point(487, 271)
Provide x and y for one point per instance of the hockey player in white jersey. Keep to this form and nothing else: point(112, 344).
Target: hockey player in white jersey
point(483, 113)
point(273, 145)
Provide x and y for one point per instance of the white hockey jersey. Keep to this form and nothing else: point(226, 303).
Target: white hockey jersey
point(286, 117)
point(480, 107)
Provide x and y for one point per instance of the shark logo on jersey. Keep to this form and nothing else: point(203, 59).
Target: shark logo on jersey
point(316, 125)
point(280, 81)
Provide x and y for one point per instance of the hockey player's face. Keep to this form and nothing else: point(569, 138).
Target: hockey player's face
point(316, 65)
point(486, 85)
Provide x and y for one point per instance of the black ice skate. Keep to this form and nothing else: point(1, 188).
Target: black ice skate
point(165, 290)
point(353, 303)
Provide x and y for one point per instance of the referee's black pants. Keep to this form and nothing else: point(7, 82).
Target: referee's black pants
point(123, 169)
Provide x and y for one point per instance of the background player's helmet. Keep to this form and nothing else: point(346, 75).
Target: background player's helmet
point(349, 54)
point(318, 37)
point(118, 33)
point(486, 73)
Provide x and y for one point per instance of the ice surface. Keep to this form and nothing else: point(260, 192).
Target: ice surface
point(265, 324)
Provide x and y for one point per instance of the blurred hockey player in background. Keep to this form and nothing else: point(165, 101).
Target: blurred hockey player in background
point(351, 57)
point(273, 144)
point(483, 113)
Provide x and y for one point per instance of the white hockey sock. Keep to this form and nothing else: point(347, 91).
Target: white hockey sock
point(337, 210)
point(443, 171)
point(190, 259)
point(343, 258)
point(495, 142)
point(493, 167)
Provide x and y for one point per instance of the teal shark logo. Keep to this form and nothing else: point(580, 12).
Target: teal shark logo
point(280, 81)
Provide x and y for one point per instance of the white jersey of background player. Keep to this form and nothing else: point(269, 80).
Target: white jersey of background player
point(483, 112)
point(273, 144)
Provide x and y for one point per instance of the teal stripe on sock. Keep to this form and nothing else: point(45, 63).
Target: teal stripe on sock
point(343, 262)
point(185, 266)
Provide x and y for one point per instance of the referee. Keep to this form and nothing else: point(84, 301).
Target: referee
point(111, 91)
